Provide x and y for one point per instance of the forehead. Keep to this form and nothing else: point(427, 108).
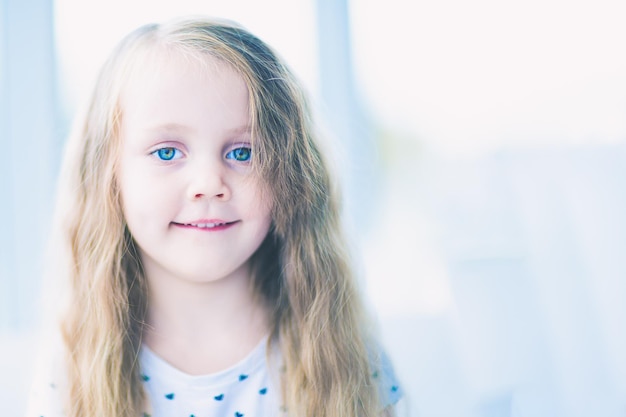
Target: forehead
point(168, 83)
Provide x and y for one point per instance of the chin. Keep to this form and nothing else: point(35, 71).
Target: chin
point(202, 276)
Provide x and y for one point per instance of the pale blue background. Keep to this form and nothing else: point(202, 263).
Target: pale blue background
point(482, 146)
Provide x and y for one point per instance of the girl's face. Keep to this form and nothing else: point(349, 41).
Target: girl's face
point(189, 195)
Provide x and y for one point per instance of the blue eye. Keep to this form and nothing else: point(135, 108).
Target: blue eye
point(167, 154)
point(242, 154)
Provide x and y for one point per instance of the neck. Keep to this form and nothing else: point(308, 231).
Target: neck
point(203, 327)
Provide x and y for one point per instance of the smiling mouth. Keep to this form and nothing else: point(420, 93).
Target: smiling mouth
point(206, 226)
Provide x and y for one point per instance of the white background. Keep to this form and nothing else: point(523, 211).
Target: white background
point(487, 186)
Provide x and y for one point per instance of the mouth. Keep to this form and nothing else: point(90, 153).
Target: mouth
point(204, 225)
point(209, 225)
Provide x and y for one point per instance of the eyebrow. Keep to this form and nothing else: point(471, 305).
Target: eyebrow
point(241, 129)
point(170, 127)
point(178, 128)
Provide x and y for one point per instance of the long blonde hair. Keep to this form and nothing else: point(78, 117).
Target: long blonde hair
point(301, 268)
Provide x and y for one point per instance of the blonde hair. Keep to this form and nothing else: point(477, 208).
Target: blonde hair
point(301, 268)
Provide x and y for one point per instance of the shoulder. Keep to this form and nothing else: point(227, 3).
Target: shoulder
point(47, 392)
point(384, 376)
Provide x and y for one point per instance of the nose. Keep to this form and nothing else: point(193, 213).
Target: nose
point(207, 181)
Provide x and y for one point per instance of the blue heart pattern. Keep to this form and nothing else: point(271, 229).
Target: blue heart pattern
point(242, 377)
point(219, 397)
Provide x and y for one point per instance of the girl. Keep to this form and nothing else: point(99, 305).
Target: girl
point(207, 270)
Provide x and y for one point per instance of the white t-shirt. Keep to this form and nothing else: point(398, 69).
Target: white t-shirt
point(250, 388)
point(245, 389)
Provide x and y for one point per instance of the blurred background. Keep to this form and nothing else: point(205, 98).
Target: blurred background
point(482, 150)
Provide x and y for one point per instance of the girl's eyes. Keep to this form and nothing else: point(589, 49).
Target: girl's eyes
point(242, 154)
point(168, 154)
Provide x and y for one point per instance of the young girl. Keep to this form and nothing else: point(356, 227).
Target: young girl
point(207, 270)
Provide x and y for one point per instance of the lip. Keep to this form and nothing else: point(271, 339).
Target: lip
point(206, 225)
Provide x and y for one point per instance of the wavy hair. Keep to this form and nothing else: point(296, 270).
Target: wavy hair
point(302, 267)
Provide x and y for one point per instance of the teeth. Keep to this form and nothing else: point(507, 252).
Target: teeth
point(206, 225)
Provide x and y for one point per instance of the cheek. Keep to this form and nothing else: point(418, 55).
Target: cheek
point(257, 203)
point(261, 201)
point(131, 195)
point(261, 191)
point(129, 187)
point(139, 194)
